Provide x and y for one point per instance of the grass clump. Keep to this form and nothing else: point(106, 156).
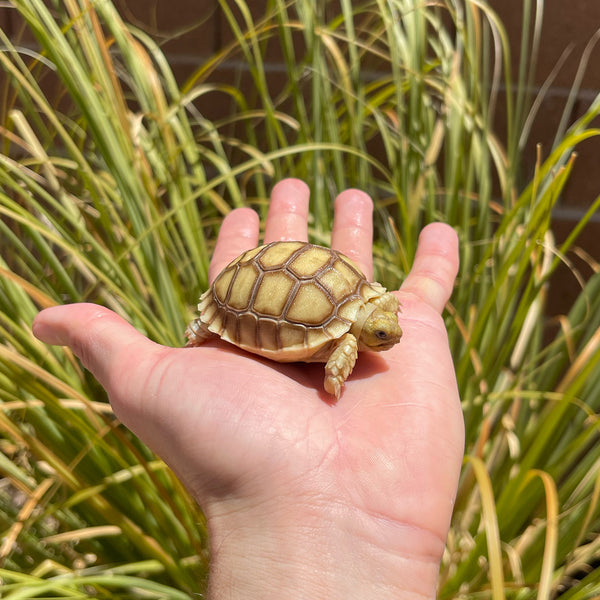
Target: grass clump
point(112, 192)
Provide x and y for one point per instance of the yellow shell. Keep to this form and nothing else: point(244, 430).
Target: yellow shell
point(287, 301)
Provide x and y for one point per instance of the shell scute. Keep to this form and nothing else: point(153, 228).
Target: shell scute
point(240, 289)
point(308, 263)
point(248, 330)
point(208, 309)
point(315, 338)
point(216, 325)
point(222, 284)
point(371, 290)
point(231, 327)
point(291, 335)
point(272, 294)
point(275, 256)
point(336, 328)
point(246, 257)
point(336, 285)
point(346, 270)
point(268, 334)
point(311, 305)
point(349, 309)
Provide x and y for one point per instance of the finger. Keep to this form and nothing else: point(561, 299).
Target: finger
point(434, 270)
point(352, 231)
point(288, 212)
point(105, 343)
point(238, 233)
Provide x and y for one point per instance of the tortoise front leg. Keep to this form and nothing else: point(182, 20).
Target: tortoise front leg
point(197, 333)
point(340, 364)
point(388, 302)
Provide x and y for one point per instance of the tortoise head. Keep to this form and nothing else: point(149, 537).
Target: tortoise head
point(380, 331)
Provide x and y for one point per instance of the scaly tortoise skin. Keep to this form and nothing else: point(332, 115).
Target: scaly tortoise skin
point(294, 301)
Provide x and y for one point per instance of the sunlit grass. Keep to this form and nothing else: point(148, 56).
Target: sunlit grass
point(113, 193)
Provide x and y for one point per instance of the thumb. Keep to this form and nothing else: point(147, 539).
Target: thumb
point(108, 346)
point(129, 366)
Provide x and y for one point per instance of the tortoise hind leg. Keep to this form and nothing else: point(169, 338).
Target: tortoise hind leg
point(197, 333)
point(340, 364)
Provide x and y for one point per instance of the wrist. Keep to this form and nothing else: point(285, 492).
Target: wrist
point(320, 555)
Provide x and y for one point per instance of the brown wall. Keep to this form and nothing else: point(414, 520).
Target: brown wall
point(565, 24)
point(568, 26)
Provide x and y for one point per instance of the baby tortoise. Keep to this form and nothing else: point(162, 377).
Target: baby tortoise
point(295, 301)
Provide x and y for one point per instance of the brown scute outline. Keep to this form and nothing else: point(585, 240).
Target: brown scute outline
point(236, 264)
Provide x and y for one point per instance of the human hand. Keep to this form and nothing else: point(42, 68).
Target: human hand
point(303, 498)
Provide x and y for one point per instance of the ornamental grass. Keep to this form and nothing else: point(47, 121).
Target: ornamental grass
point(114, 179)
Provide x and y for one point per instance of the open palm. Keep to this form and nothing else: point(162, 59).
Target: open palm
point(263, 448)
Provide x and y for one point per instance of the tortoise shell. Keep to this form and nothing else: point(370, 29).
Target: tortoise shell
point(287, 301)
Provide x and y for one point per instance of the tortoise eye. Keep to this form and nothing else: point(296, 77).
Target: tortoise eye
point(382, 335)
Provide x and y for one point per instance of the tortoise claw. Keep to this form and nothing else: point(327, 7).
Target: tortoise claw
point(340, 364)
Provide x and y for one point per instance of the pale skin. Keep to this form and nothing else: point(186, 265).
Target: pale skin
point(304, 498)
